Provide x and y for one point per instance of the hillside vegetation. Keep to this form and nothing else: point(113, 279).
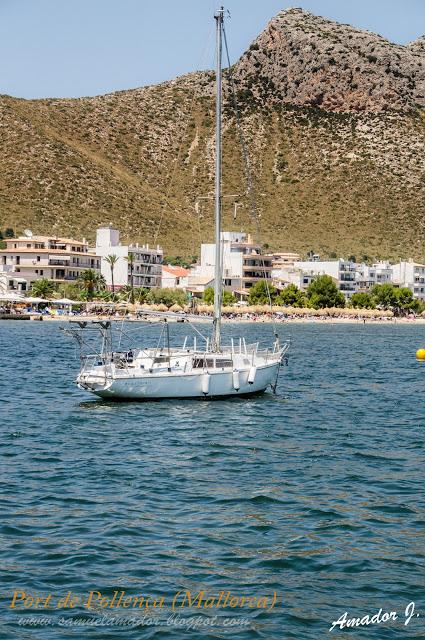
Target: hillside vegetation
point(334, 119)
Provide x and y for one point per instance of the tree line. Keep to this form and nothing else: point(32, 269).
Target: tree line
point(322, 293)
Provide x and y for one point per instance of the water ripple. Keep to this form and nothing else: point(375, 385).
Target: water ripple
point(316, 493)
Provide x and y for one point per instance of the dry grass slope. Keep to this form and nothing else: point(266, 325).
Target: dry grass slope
point(345, 176)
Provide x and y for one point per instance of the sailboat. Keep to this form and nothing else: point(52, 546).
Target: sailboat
point(207, 370)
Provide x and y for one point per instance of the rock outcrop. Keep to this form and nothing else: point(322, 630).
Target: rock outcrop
point(334, 122)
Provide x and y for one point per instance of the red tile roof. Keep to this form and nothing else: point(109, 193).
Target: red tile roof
point(178, 272)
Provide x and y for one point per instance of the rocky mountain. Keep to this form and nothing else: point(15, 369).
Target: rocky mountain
point(334, 123)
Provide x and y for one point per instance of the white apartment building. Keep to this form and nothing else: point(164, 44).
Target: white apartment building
point(147, 261)
point(174, 277)
point(285, 259)
point(411, 275)
point(367, 276)
point(283, 276)
point(342, 271)
point(352, 277)
point(29, 258)
point(243, 262)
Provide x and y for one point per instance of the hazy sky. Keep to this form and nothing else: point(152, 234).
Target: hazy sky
point(89, 47)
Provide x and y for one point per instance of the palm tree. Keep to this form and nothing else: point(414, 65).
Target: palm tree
point(43, 288)
point(92, 281)
point(112, 260)
point(130, 260)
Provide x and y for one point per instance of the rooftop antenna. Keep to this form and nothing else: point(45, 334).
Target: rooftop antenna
point(235, 210)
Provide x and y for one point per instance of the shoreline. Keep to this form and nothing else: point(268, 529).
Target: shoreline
point(205, 319)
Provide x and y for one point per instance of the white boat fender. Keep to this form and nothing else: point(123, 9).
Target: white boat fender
point(251, 375)
point(205, 383)
point(236, 380)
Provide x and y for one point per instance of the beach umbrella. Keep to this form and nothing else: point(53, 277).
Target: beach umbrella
point(32, 300)
point(11, 297)
point(176, 307)
point(65, 301)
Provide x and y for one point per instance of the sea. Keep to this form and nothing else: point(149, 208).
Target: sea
point(271, 517)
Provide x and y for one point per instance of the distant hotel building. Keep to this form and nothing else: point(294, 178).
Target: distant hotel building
point(29, 258)
point(243, 263)
point(147, 262)
point(411, 275)
point(342, 271)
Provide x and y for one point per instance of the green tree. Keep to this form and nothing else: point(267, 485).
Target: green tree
point(226, 300)
point(9, 233)
point(140, 293)
point(69, 290)
point(291, 296)
point(166, 296)
point(406, 302)
point(385, 295)
point(323, 293)
point(91, 281)
point(178, 261)
point(362, 300)
point(43, 288)
point(261, 293)
point(112, 261)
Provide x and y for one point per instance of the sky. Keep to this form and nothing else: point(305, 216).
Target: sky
point(71, 48)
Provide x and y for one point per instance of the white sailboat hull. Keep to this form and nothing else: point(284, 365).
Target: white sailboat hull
point(214, 384)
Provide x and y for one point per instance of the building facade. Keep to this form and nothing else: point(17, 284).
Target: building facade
point(142, 262)
point(174, 277)
point(30, 258)
point(367, 276)
point(343, 272)
point(243, 262)
point(411, 275)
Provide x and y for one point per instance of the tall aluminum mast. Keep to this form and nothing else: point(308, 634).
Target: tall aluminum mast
point(218, 258)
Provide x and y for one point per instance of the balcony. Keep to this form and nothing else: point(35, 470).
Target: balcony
point(257, 264)
point(256, 275)
point(59, 263)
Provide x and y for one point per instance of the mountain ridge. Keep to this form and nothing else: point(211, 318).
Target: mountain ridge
point(336, 153)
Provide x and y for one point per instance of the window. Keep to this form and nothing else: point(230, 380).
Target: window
point(38, 258)
point(28, 246)
point(41, 272)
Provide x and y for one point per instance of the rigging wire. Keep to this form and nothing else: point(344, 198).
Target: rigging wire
point(172, 174)
point(247, 169)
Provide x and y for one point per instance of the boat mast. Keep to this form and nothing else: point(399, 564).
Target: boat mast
point(218, 266)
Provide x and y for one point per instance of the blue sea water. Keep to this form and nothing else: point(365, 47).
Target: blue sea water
point(315, 494)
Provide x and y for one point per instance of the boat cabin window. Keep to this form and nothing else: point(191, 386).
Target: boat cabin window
point(211, 363)
point(224, 362)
